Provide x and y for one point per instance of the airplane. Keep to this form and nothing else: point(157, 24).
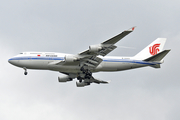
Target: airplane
point(82, 65)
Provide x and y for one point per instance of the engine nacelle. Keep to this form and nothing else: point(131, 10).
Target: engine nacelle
point(95, 48)
point(81, 84)
point(70, 59)
point(64, 78)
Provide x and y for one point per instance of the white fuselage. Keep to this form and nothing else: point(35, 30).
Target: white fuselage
point(43, 60)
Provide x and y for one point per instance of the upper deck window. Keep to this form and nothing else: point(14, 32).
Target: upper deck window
point(35, 53)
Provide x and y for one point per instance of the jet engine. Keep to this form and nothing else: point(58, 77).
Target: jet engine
point(81, 84)
point(95, 48)
point(70, 59)
point(64, 78)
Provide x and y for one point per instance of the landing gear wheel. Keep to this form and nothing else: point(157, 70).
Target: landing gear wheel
point(80, 79)
point(25, 73)
point(88, 73)
point(88, 76)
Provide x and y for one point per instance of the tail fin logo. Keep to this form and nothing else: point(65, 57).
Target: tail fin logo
point(154, 49)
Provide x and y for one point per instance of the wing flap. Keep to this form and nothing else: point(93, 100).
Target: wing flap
point(91, 63)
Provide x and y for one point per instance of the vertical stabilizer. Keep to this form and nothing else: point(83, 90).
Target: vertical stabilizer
point(152, 49)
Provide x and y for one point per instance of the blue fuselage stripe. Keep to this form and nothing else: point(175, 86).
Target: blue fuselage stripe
point(37, 58)
point(104, 60)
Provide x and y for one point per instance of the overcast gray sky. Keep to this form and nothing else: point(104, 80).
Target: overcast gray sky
point(70, 27)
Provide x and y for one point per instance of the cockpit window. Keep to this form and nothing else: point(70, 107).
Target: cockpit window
point(21, 53)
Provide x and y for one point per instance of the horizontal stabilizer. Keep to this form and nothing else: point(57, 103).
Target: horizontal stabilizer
point(158, 57)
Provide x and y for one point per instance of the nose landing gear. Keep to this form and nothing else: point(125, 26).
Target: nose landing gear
point(25, 72)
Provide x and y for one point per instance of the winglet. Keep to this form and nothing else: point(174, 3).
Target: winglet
point(132, 29)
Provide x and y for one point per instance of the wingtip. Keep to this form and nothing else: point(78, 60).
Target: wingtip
point(132, 29)
point(108, 81)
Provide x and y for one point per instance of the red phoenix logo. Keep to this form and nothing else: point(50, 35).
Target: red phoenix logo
point(154, 49)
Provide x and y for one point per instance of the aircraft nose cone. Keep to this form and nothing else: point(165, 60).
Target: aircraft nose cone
point(10, 61)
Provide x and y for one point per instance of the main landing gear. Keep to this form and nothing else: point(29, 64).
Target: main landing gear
point(25, 72)
point(88, 74)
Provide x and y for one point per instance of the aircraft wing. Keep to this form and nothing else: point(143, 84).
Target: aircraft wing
point(107, 46)
point(89, 57)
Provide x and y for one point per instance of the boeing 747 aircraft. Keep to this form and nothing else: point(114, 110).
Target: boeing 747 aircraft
point(94, 59)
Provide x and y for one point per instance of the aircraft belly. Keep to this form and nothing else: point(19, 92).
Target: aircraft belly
point(34, 64)
point(114, 66)
point(64, 68)
point(117, 66)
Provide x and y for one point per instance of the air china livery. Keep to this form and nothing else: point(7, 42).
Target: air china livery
point(94, 59)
